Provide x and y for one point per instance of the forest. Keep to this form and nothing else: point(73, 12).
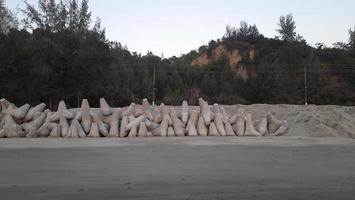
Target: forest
point(56, 51)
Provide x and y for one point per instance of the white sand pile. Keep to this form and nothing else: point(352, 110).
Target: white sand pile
point(309, 121)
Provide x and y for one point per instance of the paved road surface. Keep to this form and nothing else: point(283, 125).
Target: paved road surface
point(178, 168)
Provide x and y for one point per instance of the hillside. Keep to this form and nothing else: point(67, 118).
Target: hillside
point(279, 66)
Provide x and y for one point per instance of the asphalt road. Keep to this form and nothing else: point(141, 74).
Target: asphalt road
point(178, 168)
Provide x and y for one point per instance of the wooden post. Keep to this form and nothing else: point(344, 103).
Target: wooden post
point(305, 86)
point(153, 86)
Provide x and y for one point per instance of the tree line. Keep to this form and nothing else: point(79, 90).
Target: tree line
point(57, 52)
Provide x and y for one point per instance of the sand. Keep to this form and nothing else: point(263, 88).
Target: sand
point(309, 121)
point(305, 121)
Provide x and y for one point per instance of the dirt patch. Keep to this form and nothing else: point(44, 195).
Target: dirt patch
point(234, 57)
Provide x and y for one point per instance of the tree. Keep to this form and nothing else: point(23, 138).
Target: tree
point(73, 15)
point(45, 17)
point(56, 16)
point(320, 45)
point(243, 31)
point(84, 15)
point(287, 28)
point(7, 19)
point(341, 46)
point(98, 29)
point(247, 33)
point(231, 32)
point(352, 41)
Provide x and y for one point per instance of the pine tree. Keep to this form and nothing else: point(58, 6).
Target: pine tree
point(352, 42)
point(73, 15)
point(84, 16)
point(7, 19)
point(287, 29)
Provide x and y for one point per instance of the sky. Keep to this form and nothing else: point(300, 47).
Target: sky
point(175, 27)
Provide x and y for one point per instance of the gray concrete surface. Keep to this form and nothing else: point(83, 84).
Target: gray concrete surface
point(178, 168)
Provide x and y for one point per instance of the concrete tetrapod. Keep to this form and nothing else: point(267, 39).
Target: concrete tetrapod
point(113, 121)
point(229, 129)
point(55, 130)
point(142, 132)
point(18, 113)
point(32, 128)
point(176, 123)
point(249, 127)
point(193, 120)
point(129, 110)
point(163, 112)
point(4, 104)
point(62, 112)
point(239, 127)
point(124, 123)
point(226, 118)
point(205, 111)
point(94, 131)
point(213, 130)
point(192, 131)
point(273, 123)
point(215, 108)
point(64, 126)
point(135, 122)
point(218, 120)
point(36, 123)
point(72, 132)
point(147, 109)
point(156, 132)
point(81, 132)
point(32, 111)
point(103, 129)
point(32, 133)
point(8, 132)
point(262, 127)
point(150, 134)
point(201, 127)
point(171, 132)
point(164, 126)
point(233, 119)
point(105, 109)
point(151, 125)
point(138, 110)
point(184, 112)
point(133, 132)
point(84, 116)
point(283, 128)
point(44, 130)
point(10, 128)
point(114, 132)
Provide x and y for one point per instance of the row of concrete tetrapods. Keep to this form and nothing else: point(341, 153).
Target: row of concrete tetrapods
point(133, 121)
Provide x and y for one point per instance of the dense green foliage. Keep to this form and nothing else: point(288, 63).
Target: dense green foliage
point(58, 55)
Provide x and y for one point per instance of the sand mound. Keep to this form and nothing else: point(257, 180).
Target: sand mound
point(309, 121)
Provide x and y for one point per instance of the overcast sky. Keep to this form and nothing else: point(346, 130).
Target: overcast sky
point(174, 27)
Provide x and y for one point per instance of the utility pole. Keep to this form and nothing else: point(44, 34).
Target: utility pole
point(305, 86)
point(154, 85)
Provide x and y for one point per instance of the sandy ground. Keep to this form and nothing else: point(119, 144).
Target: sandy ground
point(305, 121)
point(308, 121)
point(178, 168)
